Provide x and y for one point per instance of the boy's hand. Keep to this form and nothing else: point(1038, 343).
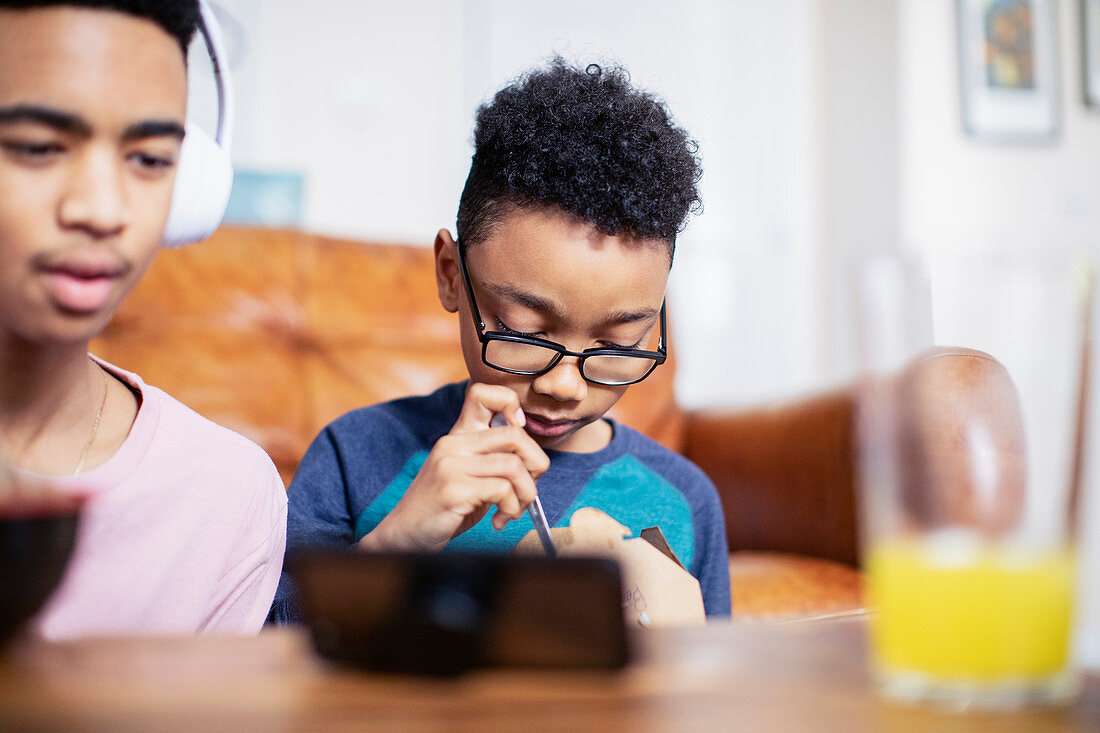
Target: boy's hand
point(469, 470)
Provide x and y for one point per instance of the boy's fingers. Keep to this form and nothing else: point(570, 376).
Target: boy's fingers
point(508, 507)
point(471, 519)
point(482, 402)
point(475, 480)
point(477, 493)
point(500, 521)
point(510, 467)
point(510, 440)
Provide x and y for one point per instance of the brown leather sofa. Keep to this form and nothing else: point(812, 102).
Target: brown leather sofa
point(274, 333)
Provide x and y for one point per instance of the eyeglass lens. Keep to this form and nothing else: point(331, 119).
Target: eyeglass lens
point(532, 358)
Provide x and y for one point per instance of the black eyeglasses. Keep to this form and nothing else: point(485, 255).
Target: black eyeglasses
point(530, 356)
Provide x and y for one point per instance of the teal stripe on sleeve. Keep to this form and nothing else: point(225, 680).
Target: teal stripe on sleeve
point(387, 499)
point(483, 537)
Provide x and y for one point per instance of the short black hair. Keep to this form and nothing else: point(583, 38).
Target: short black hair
point(588, 143)
point(178, 18)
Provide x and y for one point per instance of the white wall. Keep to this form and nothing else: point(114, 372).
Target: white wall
point(854, 116)
point(363, 98)
point(960, 193)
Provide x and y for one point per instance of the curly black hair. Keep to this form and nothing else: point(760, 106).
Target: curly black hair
point(178, 18)
point(584, 141)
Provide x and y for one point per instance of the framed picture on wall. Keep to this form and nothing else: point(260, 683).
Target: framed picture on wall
point(1090, 51)
point(1008, 70)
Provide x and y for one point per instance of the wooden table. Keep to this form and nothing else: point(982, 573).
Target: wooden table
point(804, 676)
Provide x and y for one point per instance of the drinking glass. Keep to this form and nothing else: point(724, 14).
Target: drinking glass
point(970, 417)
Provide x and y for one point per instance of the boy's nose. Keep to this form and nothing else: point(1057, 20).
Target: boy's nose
point(564, 382)
point(95, 199)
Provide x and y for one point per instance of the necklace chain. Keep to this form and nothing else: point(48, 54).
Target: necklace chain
point(95, 426)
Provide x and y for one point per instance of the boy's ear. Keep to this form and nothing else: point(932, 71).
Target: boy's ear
point(448, 278)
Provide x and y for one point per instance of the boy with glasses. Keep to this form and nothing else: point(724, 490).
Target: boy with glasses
point(566, 227)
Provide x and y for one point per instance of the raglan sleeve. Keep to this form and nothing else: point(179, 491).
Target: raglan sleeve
point(712, 564)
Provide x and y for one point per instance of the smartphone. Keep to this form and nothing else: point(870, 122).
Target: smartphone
point(446, 613)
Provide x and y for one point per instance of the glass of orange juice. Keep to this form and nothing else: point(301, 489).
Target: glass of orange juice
point(971, 425)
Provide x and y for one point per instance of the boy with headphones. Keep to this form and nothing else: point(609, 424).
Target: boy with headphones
point(184, 522)
point(566, 228)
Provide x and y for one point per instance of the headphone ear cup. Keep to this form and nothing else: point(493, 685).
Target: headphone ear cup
point(204, 178)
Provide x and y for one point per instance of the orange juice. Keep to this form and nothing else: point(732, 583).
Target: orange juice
point(976, 614)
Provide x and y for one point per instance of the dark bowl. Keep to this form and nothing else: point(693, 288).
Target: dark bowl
point(35, 545)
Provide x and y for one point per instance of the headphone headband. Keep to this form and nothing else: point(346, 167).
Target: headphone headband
point(204, 176)
point(215, 46)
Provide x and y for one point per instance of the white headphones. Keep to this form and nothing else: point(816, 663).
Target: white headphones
point(204, 176)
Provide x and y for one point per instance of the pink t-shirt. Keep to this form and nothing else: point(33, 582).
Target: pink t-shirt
point(183, 533)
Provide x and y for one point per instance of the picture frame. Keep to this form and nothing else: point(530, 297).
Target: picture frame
point(1090, 52)
point(1008, 70)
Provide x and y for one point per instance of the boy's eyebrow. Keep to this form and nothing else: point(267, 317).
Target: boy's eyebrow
point(527, 300)
point(72, 124)
point(622, 317)
point(60, 121)
point(153, 128)
point(534, 302)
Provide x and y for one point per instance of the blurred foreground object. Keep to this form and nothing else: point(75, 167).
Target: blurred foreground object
point(448, 613)
point(37, 535)
point(971, 471)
